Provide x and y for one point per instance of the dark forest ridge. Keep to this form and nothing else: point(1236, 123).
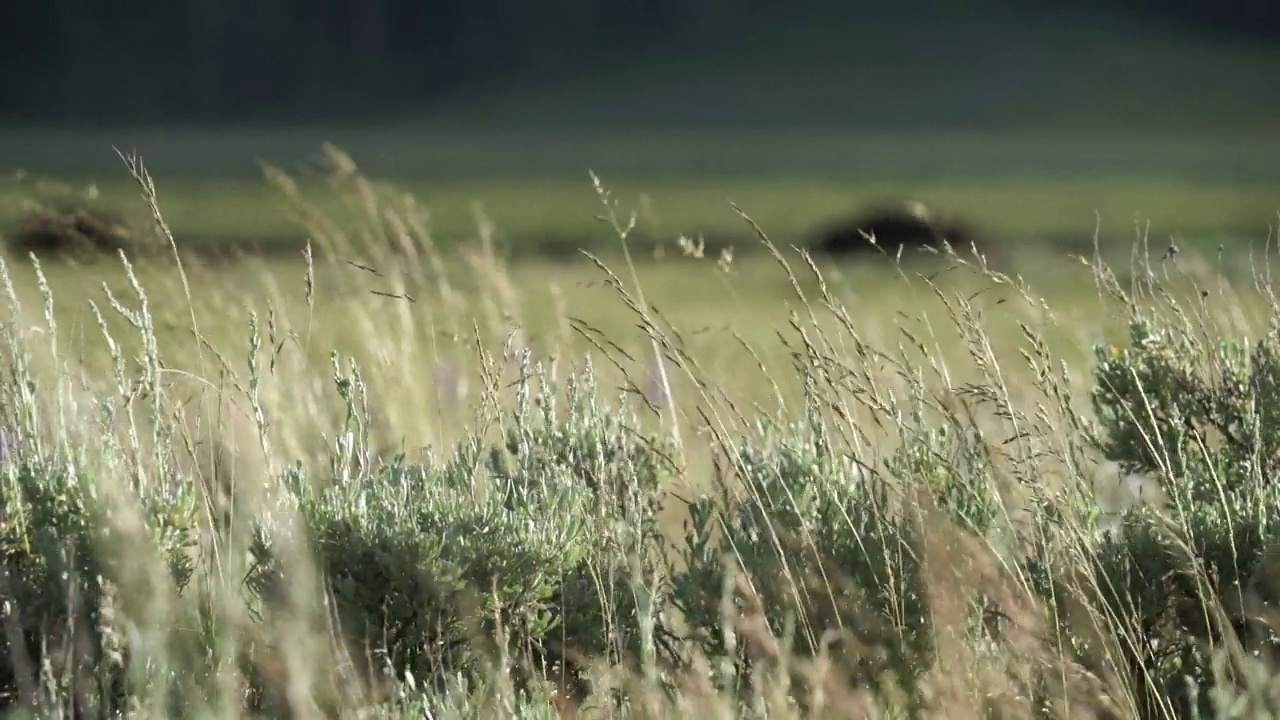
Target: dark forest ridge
point(851, 65)
point(669, 63)
point(910, 68)
point(921, 89)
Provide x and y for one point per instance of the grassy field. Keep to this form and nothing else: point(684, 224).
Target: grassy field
point(1053, 118)
point(1010, 190)
point(453, 256)
point(406, 462)
point(1020, 140)
point(218, 443)
point(799, 126)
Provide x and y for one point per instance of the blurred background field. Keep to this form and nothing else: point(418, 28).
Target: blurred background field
point(412, 187)
point(1030, 120)
point(1042, 126)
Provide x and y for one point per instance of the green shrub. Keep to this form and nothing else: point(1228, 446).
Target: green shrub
point(811, 511)
point(430, 561)
point(70, 538)
point(1175, 578)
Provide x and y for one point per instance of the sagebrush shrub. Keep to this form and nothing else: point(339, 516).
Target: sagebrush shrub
point(537, 537)
point(824, 541)
point(1198, 415)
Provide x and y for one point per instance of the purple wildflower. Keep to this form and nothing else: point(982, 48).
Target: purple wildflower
point(449, 383)
point(7, 445)
point(655, 389)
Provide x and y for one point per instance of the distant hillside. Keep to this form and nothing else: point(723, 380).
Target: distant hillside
point(917, 65)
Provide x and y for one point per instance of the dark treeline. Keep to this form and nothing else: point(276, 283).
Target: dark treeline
point(1260, 18)
point(95, 61)
point(88, 60)
point(1247, 20)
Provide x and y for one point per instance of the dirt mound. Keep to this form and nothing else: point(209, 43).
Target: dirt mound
point(896, 229)
point(78, 231)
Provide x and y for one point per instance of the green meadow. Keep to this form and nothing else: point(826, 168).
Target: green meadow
point(535, 406)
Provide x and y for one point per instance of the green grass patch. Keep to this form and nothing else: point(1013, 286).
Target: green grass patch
point(559, 216)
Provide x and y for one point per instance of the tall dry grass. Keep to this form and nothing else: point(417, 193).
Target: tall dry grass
point(201, 419)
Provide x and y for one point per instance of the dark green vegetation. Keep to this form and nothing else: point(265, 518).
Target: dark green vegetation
point(664, 63)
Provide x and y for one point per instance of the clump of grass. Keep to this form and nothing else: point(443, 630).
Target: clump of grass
point(243, 524)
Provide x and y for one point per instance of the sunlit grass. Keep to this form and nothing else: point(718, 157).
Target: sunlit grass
point(295, 458)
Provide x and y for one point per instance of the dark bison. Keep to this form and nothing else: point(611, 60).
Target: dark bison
point(896, 229)
point(68, 231)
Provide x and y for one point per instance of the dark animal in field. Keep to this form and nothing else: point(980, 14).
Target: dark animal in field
point(67, 231)
point(896, 229)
